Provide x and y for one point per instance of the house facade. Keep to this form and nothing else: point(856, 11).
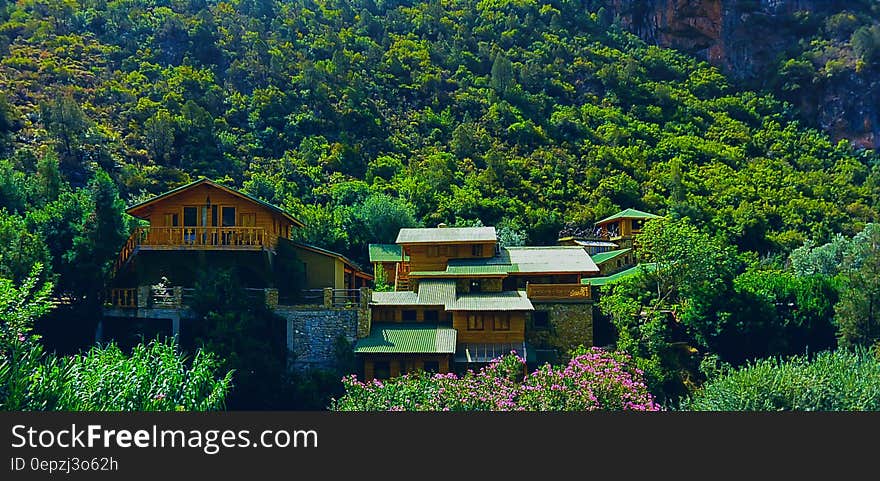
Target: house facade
point(204, 225)
point(460, 300)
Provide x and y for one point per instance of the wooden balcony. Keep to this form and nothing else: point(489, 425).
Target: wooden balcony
point(206, 238)
point(558, 292)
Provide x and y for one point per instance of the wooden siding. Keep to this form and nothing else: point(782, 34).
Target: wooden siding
point(489, 334)
point(400, 363)
point(321, 270)
point(395, 314)
point(250, 214)
point(434, 257)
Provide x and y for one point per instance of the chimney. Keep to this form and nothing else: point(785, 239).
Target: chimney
point(441, 225)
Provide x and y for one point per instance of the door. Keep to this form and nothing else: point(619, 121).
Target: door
point(227, 219)
point(190, 221)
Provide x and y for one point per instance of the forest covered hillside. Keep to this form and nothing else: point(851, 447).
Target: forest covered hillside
point(532, 116)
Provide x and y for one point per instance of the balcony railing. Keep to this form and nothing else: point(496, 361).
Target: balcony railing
point(201, 237)
point(558, 292)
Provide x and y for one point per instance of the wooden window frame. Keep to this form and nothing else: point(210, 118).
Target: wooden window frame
point(476, 322)
point(477, 250)
point(501, 322)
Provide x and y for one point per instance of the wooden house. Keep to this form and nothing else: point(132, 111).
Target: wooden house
point(622, 226)
point(204, 224)
point(461, 300)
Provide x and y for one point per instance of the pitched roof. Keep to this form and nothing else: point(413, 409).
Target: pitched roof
point(408, 338)
point(629, 214)
point(395, 298)
point(446, 234)
point(601, 281)
point(609, 255)
point(594, 243)
point(386, 253)
point(436, 292)
point(536, 260)
point(492, 301)
point(131, 210)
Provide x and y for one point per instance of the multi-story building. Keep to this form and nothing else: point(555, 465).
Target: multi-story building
point(461, 299)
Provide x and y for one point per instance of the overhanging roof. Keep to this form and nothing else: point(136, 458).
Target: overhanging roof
point(408, 339)
point(551, 259)
point(436, 235)
point(609, 255)
point(135, 209)
point(601, 281)
point(492, 301)
point(629, 214)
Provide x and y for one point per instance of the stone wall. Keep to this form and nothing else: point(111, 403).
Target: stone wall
point(312, 334)
point(570, 324)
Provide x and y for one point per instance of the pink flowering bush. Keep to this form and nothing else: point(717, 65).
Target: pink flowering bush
point(594, 379)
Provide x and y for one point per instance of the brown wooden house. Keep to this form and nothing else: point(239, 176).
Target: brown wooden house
point(461, 300)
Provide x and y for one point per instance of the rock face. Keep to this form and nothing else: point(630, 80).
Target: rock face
point(747, 39)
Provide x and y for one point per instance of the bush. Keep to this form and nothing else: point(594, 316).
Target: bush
point(593, 380)
point(839, 380)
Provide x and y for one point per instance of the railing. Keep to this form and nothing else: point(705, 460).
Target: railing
point(126, 297)
point(557, 292)
point(401, 276)
point(220, 237)
point(345, 297)
point(126, 252)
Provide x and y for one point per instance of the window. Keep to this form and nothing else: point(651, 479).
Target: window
point(228, 216)
point(431, 366)
point(432, 316)
point(477, 250)
point(381, 370)
point(501, 322)
point(476, 285)
point(453, 251)
point(433, 251)
point(409, 315)
point(171, 220)
point(541, 319)
point(190, 216)
point(636, 224)
point(249, 220)
point(475, 322)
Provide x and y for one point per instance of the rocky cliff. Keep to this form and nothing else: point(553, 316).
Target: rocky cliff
point(751, 39)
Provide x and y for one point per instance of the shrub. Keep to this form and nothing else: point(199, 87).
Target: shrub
point(839, 380)
point(593, 380)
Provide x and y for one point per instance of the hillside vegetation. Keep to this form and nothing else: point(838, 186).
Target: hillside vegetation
point(523, 114)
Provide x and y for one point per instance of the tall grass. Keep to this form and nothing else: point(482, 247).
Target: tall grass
point(840, 380)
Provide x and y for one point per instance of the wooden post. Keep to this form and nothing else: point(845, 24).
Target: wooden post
point(178, 297)
point(328, 297)
point(271, 297)
point(143, 297)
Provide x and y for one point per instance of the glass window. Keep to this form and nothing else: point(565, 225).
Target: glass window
point(477, 250)
point(190, 216)
point(228, 216)
point(409, 315)
point(432, 316)
point(475, 322)
point(501, 322)
point(541, 319)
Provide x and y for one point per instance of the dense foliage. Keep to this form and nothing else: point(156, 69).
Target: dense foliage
point(154, 377)
point(593, 379)
point(830, 381)
point(531, 114)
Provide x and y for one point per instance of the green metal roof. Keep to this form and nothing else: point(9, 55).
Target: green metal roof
point(629, 214)
point(210, 182)
point(386, 253)
point(601, 281)
point(436, 292)
point(536, 260)
point(407, 338)
point(488, 270)
point(492, 301)
point(446, 234)
point(607, 256)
